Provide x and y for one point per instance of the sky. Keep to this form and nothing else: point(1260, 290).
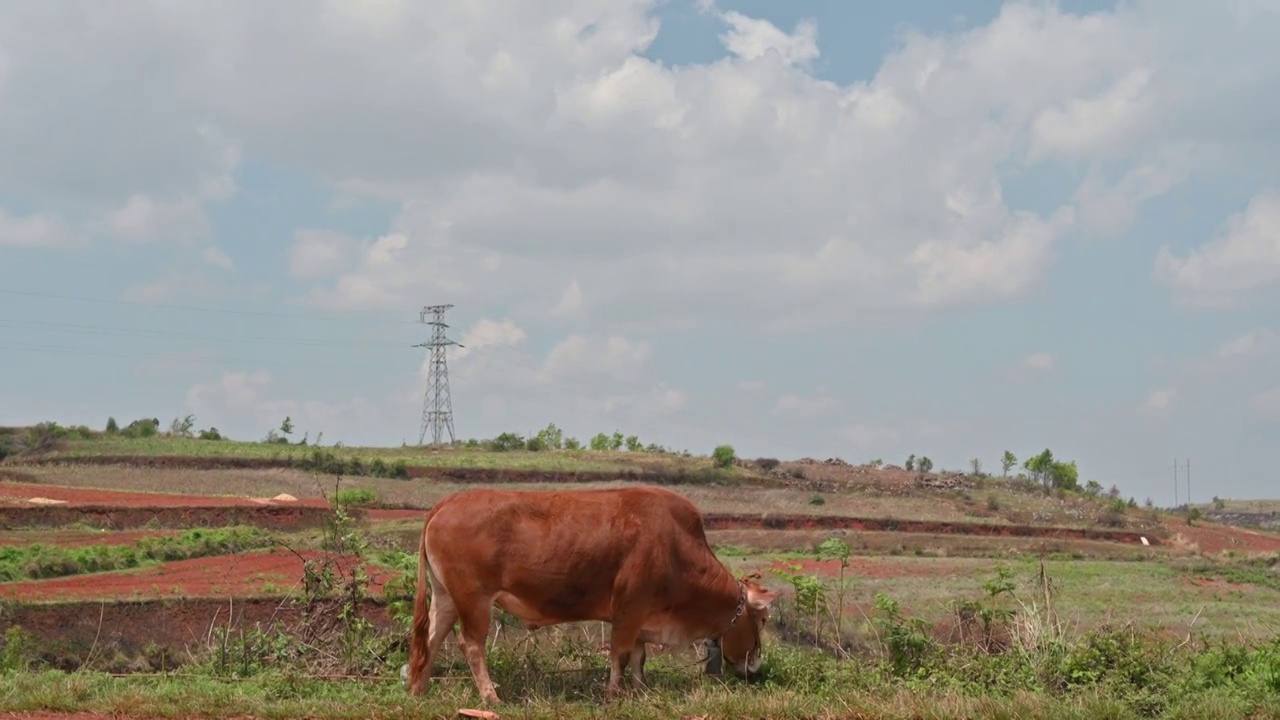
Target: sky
point(824, 229)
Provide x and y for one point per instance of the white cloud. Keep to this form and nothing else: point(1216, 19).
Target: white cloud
point(1267, 402)
point(162, 215)
point(570, 303)
point(1255, 343)
point(583, 382)
point(1159, 401)
point(1088, 125)
point(615, 357)
point(1040, 361)
point(533, 146)
point(245, 404)
point(143, 218)
point(750, 39)
point(215, 256)
point(36, 230)
point(1243, 259)
point(1110, 209)
point(319, 253)
point(487, 333)
point(806, 407)
point(188, 285)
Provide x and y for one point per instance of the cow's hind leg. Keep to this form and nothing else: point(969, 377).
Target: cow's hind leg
point(476, 614)
point(444, 613)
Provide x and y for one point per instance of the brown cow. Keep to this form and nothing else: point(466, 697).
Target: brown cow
point(634, 557)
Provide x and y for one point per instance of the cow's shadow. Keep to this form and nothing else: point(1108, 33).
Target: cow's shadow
point(544, 665)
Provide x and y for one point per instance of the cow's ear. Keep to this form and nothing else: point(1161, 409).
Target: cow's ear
point(760, 598)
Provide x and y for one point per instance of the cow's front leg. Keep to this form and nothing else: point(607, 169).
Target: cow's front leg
point(638, 654)
point(622, 642)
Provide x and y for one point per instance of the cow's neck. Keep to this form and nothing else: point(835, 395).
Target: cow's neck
point(727, 603)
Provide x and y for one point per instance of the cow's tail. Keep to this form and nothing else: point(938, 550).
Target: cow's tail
point(418, 661)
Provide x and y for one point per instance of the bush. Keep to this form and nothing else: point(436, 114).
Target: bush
point(506, 441)
point(767, 464)
point(356, 497)
point(723, 456)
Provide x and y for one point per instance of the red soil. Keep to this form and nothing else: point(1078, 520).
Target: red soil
point(242, 575)
point(1213, 539)
point(79, 538)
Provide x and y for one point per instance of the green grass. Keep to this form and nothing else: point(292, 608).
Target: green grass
point(457, 457)
point(1110, 675)
point(1086, 594)
point(37, 561)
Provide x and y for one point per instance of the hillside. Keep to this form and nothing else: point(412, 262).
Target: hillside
point(140, 554)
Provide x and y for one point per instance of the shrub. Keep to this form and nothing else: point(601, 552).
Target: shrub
point(723, 456)
point(356, 497)
point(767, 464)
point(506, 441)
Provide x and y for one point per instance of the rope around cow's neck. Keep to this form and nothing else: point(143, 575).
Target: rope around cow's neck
point(737, 612)
point(713, 641)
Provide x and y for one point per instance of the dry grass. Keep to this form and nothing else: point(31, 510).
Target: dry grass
point(934, 545)
point(854, 501)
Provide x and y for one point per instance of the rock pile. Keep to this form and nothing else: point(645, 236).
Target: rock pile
point(955, 481)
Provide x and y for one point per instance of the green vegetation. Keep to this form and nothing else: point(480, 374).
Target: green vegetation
point(356, 497)
point(1041, 635)
point(1010, 654)
point(35, 561)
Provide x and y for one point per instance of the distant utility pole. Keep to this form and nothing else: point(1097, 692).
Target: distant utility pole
point(437, 405)
point(1188, 482)
point(1187, 465)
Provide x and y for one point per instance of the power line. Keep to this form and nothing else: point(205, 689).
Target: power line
point(80, 329)
point(83, 352)
point(437, 405)
point(168, 306)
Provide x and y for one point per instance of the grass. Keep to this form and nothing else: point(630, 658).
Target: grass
point(36, 561)
point(1141, 633)
point(859, 501)
point(454, 457)
point(1112, 674)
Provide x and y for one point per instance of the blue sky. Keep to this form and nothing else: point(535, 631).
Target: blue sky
point(807, 228)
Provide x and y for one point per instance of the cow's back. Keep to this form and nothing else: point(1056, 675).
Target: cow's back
point(560, 556)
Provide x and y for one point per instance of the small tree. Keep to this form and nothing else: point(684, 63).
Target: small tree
point(286, 427)
point(1064, 475)
point(723, 456)
point(633, 444)
point(615, 441)
point(1040, 467)
point(112, 426)
point(551, 437)
point(600, 442)
point(1007, 462)
point(911, 462)
point(182, 428)
point(924, 464)
point(976, 465)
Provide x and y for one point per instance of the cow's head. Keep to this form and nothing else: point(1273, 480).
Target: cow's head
point(740, 645)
